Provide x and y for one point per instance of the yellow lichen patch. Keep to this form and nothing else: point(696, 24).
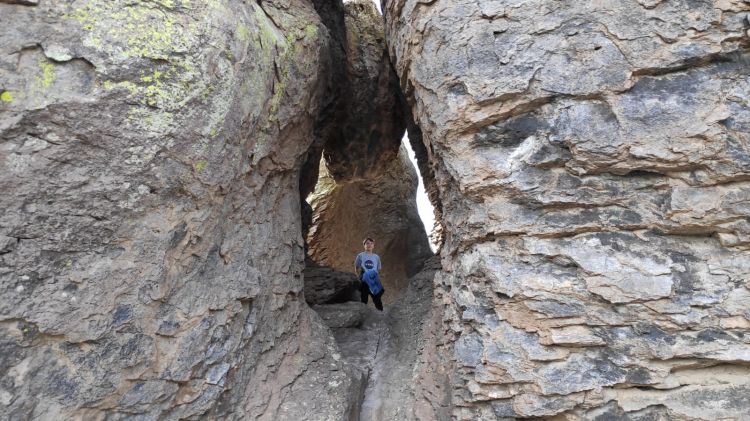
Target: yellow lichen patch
point(268, 34)
point(200, 165)
point(311, 31)
point(47, 75)
point(205, 93)
point(154, 93)
point(154, 122)
point(278, 93)
point(167, 89)
point(6, 96)
point(130, 86)
point(143, 30)
point(152, 78)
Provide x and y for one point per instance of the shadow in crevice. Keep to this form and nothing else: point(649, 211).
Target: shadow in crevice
point(357, 182)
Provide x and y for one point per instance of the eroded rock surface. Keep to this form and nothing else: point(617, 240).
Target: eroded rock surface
point(365, 134)
point(389, 347)
point(150, 248)
point(592, 161)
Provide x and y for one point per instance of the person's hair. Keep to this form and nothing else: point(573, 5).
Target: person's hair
point(366, 240)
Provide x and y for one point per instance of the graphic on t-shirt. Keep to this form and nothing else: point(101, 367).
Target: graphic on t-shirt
point(369, 264)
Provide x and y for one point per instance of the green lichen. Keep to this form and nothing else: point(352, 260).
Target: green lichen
point(6, 96)
point(268, 35)
point(205, 93)
point(130, 86)
point(311, 31)
point(139, 29)
point(154, 121)
point(200, 165)
point(145, 31)
point(243, 32)
point(278, 93)
point(152, 78)
point(47, 75)
point(160, 89)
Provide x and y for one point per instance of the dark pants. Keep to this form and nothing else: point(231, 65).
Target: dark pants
point(364, 293)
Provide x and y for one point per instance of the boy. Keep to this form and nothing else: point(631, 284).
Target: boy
point(367, 264)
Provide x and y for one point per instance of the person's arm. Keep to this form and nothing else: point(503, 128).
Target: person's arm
point(357, 266)
point(380, 266)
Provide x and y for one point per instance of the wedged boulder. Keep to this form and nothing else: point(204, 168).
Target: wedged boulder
point(325, 285)
point(366, 184)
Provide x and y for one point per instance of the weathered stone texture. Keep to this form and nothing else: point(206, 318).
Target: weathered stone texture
point(150, 248)
point(592, 161)
point(370, 120)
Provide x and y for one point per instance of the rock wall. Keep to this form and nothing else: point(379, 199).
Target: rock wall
point(366, 132)
point(592, 161)
point(150, 247)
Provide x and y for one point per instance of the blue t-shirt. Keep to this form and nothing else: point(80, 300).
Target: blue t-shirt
point(367, 261)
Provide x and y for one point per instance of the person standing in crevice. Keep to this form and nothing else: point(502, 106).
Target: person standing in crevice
point(367, 266)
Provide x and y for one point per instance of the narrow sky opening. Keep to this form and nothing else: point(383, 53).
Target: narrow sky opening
point(424, 206)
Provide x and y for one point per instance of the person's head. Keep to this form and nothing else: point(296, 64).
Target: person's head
point(369, 244)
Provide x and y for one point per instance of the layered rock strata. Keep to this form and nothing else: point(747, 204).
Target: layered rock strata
point(150, 248)
point(592, 161)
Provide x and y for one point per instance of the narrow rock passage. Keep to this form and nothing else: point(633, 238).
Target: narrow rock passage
point(390, 393)
point(385, 346)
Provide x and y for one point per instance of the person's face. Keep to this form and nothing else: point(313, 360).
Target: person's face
point(369, 245)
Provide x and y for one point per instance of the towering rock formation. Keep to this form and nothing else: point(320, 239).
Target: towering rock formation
point(150, 247)
point(593, 164)
point(590, 163)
